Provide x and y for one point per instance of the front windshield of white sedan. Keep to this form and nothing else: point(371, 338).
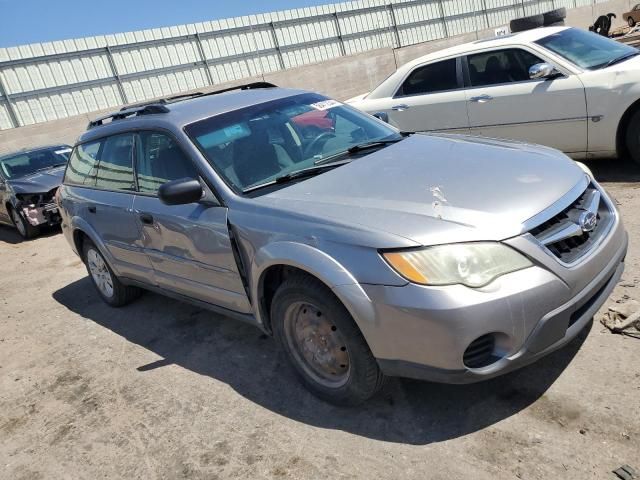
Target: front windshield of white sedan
point(264, 143)
point(588, 50)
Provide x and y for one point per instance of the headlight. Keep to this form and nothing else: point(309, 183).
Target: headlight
point(471, 264)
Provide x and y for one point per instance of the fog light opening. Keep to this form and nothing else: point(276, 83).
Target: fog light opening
point(486, 350)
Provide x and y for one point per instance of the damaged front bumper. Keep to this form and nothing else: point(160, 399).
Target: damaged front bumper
point(39, 209)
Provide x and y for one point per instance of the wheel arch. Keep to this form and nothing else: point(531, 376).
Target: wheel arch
point(621, 145)
point(81, 231)
point(274, 263)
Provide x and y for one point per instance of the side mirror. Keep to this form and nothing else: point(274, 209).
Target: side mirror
point(541, 70)
point(384, 116)
point(181, 192)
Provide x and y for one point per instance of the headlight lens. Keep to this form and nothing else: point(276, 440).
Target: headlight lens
point(471, 264)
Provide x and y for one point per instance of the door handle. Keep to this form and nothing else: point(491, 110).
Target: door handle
point(481, 99)
point(146, 218)
point(92, 209)
point(400, 108)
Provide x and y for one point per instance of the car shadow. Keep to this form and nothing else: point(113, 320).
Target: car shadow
point(239, 355)
point(10, 235)
point(622, 170)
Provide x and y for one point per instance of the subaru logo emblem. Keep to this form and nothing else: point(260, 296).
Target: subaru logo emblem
point(588, 222)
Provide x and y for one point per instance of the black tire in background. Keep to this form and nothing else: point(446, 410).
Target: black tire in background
point(526, 23)
point(555, 17)
point(362, 379)
point(633, 137)
point(631, 22)
point(25, 229)
point(120, 294)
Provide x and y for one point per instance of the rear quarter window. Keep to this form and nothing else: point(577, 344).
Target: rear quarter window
point(83, 163)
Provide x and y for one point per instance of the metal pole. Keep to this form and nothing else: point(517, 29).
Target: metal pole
point(277, 45)
point(12, 113)
point(524, 12)
point(486, 13)
point(116, 76)
point(443, 19)
point(204, 58)
point(394, 25)
point(343, 50)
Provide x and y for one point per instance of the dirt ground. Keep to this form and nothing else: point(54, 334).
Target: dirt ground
point(161, 389)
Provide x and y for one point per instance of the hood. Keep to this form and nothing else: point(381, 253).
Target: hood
point(358, 98)
point(434, 189)
point(39, 182)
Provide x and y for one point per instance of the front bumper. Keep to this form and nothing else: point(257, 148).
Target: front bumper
point(44, 214)
point(423, 332)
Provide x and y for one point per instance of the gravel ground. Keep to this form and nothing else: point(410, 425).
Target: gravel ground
point(161, 389)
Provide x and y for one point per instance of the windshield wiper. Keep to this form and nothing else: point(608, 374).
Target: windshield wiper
point(297, 175)
point(622, 58)
point(359, 148)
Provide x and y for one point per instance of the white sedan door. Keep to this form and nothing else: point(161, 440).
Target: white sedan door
point(431, 98)
point(504, 103)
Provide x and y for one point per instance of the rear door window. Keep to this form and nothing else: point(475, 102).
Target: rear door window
point(432, 78)
point(160, 160)
point(82, 168)
point(115, 164)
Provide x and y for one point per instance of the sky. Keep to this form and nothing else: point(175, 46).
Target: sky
point(30, 21)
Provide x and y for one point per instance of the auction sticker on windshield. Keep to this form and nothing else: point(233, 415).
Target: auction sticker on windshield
point(326, 105)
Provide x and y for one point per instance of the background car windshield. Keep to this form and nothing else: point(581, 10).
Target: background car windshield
point(23, 164)
point(255, 145)
point(586, 49)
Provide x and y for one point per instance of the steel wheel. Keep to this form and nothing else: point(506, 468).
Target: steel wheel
point(100, 273)
point(317, 344)
point(18, 222)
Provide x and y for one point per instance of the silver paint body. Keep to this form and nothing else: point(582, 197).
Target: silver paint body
point(425, 190)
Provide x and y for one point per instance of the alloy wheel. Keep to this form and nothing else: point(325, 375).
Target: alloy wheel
point(100, 273)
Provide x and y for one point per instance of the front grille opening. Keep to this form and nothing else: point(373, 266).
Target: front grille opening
point(480, 353)
point(572, 249)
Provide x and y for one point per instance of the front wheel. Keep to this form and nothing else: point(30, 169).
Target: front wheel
point(25, 229)
point(631, 22)
point(633, 137)
point(110, 288)
point(323, 342)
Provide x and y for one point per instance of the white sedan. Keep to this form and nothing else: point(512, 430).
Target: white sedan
point(561, 87)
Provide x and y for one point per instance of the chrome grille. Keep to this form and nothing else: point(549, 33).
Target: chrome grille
point(571, 234)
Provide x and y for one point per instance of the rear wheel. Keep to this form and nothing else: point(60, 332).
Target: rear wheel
point(631, 22)
point(633, 137)
point(25, 229)
point(110, 288)
point(323, 343)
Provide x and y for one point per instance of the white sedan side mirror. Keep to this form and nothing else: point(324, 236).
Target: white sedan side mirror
point(541, 70)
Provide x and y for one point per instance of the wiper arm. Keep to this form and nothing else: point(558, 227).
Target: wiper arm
point(360, 148)
point(622, 58)
point(289, 177)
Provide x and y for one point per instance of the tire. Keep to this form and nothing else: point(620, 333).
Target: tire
point(108, 286)
point(306, 316)
point(631, 22)
point(633, 137)
point(555, 17)
point(526, 23)
point(25, 229)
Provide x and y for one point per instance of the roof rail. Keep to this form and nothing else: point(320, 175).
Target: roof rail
point(159, 105)
point(129, 112)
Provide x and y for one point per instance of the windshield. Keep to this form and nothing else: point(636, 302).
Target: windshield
point(26, 163)
point(586, 49)
point(258, 144)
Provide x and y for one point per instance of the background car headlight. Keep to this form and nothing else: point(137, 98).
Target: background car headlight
point(471, 264)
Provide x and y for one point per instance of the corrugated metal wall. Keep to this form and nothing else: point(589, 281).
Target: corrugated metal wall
point(49, 81)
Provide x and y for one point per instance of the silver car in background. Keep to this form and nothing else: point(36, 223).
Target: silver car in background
point(367, 252)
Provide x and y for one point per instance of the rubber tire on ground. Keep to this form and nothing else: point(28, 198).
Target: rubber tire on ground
point(365, 379)
point(633, 137)
point(554, 17)
point(122, 294)
point(631, 22)
point(30, 230)
point(526, 23)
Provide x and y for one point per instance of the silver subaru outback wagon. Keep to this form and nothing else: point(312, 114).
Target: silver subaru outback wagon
point(365, 251)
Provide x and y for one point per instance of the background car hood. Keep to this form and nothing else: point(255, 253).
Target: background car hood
point(39, 182)
point(434, 189)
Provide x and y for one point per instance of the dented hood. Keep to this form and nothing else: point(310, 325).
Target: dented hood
point(434, 189)
point(39, 182)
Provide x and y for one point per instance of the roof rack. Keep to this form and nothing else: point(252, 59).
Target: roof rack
point(159, 105)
